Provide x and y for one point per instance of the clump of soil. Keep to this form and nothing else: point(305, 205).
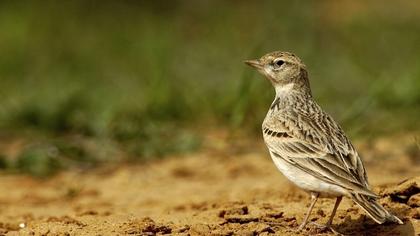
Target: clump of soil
point(201, 194)
point(407, 192)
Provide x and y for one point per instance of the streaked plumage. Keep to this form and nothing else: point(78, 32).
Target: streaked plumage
point(307, 145)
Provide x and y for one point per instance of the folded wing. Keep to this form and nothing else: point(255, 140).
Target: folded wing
point(318, 146)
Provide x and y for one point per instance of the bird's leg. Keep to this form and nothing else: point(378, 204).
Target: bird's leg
point(337, 203)
point(314, 197)
point(330, 220)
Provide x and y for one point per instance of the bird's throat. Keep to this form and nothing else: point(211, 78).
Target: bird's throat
point(284, 90)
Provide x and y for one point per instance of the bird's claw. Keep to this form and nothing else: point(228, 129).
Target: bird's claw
point(321, 228)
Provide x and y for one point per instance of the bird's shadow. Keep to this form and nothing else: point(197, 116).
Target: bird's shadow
point(366, 226)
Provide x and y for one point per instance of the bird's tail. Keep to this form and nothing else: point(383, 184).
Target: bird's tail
point(374, 209)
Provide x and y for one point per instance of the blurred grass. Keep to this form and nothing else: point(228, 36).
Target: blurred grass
point(148, 78)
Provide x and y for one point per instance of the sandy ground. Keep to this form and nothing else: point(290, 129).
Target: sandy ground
point(213, 193)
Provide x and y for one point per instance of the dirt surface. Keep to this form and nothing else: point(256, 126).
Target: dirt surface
point(206, 194)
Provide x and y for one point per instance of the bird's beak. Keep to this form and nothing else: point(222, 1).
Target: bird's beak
point(254, 63)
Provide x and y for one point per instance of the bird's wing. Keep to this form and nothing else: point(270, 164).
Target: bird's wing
point(317, 145)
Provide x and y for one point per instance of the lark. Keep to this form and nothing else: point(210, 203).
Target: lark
point(308, 146)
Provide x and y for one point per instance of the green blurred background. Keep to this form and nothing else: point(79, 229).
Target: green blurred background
point(87, 82)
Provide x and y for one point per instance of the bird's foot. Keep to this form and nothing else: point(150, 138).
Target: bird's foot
point(301, 227)
point(321, 228)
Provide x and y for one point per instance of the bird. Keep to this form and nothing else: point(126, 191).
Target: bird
point(308, 146)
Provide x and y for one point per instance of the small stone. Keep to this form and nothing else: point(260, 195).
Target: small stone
point(414, 201)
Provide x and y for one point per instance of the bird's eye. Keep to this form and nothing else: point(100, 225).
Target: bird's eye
point(279, 62)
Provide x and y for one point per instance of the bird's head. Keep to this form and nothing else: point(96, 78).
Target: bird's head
point(283, 70)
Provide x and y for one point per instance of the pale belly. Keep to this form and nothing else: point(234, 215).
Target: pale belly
point(306, 181)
